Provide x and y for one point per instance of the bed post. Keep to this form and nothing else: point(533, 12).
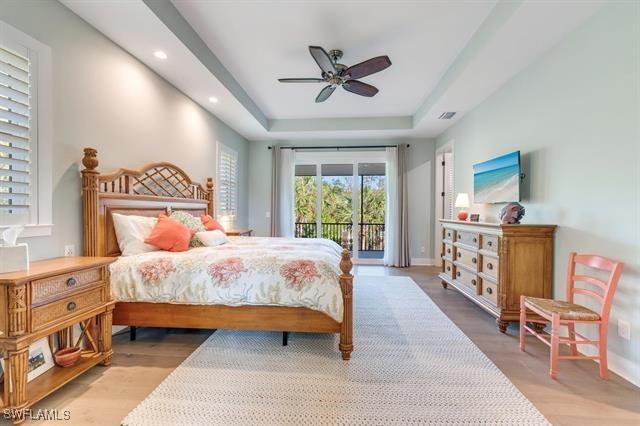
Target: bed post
point(90, 202)
point(346, 284)
point(210, 196)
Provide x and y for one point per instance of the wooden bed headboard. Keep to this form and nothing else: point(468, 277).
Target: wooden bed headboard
point(153, 189)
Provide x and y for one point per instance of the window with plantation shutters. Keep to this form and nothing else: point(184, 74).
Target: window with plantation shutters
point(16, 135)
point(25, 133)
point(227, 184)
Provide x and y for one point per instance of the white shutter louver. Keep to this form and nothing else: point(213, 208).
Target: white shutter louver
point(15, 136)
point(227, 182)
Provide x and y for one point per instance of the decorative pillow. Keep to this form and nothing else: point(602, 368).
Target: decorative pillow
point(210, 223)
point(170, 235)
point(131, 232)
point(192, 223)
point(212, 238)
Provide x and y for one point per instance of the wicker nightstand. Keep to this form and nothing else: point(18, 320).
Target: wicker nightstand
point(47, 301)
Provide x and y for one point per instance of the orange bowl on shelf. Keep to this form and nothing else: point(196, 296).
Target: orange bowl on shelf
point(68, 356)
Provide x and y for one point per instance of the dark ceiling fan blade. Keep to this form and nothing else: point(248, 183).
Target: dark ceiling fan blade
point(325, 93)
point(360, 88)
point(369, 67)
point(300, 80)
point(322, 59)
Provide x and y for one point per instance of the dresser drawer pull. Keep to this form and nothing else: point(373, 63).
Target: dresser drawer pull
point(489, 290)
point(448, 268)
point(475, 240)
point(71, 282)
point(474, 260)
point(489, 243)
point(459, 254)
point(473, 282)
point(448, 250)
point(489, 266)
point(458, 273)
point(71, 306)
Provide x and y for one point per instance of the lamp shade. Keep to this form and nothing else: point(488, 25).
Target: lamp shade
point(462, 200)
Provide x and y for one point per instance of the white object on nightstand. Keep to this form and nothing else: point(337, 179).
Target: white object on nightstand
point(13, 256)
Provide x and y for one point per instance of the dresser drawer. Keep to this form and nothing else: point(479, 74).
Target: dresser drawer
point(490, 243)
point(467, 257)
point(490, 266)
point(467, 278)
point(448, 234)
point(448, 251)
point(467, 238)
point(66, 307)
point(490, 291)
point(53, 288)
point(448, 268)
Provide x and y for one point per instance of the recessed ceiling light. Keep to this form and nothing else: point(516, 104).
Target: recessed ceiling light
point(160, 54)
point(213, 100)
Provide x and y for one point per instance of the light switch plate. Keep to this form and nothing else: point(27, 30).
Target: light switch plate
point(624, 329)
point(268, 215)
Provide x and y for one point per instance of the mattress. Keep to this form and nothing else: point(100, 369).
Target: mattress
point(246, 271)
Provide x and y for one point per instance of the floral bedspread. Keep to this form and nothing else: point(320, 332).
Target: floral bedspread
point(245, 271)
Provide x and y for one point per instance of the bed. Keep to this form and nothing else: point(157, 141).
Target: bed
point(290, 285)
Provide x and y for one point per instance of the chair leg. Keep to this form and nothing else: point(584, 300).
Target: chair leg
point(523, 321)
point(572, 336)
point(555, 345)
point(602, 348)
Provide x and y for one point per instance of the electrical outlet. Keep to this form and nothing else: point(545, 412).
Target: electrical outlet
point(69, 250)
point(624, 329)
point(268, 215)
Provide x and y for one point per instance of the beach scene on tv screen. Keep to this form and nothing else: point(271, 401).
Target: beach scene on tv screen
point(497, 180)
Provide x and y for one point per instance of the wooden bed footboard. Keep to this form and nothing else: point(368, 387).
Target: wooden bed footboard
point(162, 187)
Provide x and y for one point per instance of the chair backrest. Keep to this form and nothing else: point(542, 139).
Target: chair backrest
point(608, 287)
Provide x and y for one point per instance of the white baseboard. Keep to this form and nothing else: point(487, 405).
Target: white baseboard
point(423, 261)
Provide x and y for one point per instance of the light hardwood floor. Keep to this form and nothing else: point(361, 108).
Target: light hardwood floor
point(104, 396)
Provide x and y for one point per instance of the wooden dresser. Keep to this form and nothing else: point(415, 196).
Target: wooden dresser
point(493, 264)
point(47, 301)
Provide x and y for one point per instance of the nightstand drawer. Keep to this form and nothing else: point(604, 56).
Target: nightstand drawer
point(52, 288)
point(67, 307)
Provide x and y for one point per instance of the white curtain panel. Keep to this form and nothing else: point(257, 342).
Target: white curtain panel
point(391, 242)
point(286, 172)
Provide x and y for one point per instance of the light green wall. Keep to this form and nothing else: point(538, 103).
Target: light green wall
point(575, 117)
point(420, 185)
point(106, 99)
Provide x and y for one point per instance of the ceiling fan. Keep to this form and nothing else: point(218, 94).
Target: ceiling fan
point(340, 75)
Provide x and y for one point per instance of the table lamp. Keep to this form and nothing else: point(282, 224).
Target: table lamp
point(462, 202)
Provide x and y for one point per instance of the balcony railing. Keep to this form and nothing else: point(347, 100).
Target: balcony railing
point(371, 234)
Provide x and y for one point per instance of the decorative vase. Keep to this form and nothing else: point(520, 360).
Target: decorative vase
point(512, 213)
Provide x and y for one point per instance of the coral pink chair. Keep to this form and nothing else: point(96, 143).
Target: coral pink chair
point(560, 313)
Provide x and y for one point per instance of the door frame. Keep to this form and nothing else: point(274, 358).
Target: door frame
point(318, 158)
point(439, 184)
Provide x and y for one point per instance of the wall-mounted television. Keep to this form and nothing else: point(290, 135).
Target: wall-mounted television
point(497, 180)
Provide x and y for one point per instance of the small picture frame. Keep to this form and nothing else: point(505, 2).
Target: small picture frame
point(40, 359)
point(474, 218)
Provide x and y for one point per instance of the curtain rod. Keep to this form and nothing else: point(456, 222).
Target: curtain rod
point(339, 147)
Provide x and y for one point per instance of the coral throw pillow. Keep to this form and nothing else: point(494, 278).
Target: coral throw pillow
point(170, 235)
point(210, 224)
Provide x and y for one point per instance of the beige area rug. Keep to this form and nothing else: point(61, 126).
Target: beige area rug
point(411, 365)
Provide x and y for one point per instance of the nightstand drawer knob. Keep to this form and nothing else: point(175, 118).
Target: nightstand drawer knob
point(71, 282)
point(71, 306)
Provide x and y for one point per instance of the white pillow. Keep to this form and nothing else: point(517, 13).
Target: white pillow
point(212, 238)
point(131, 232)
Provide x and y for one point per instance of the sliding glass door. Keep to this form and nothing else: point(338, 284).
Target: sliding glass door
point(342, 198)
